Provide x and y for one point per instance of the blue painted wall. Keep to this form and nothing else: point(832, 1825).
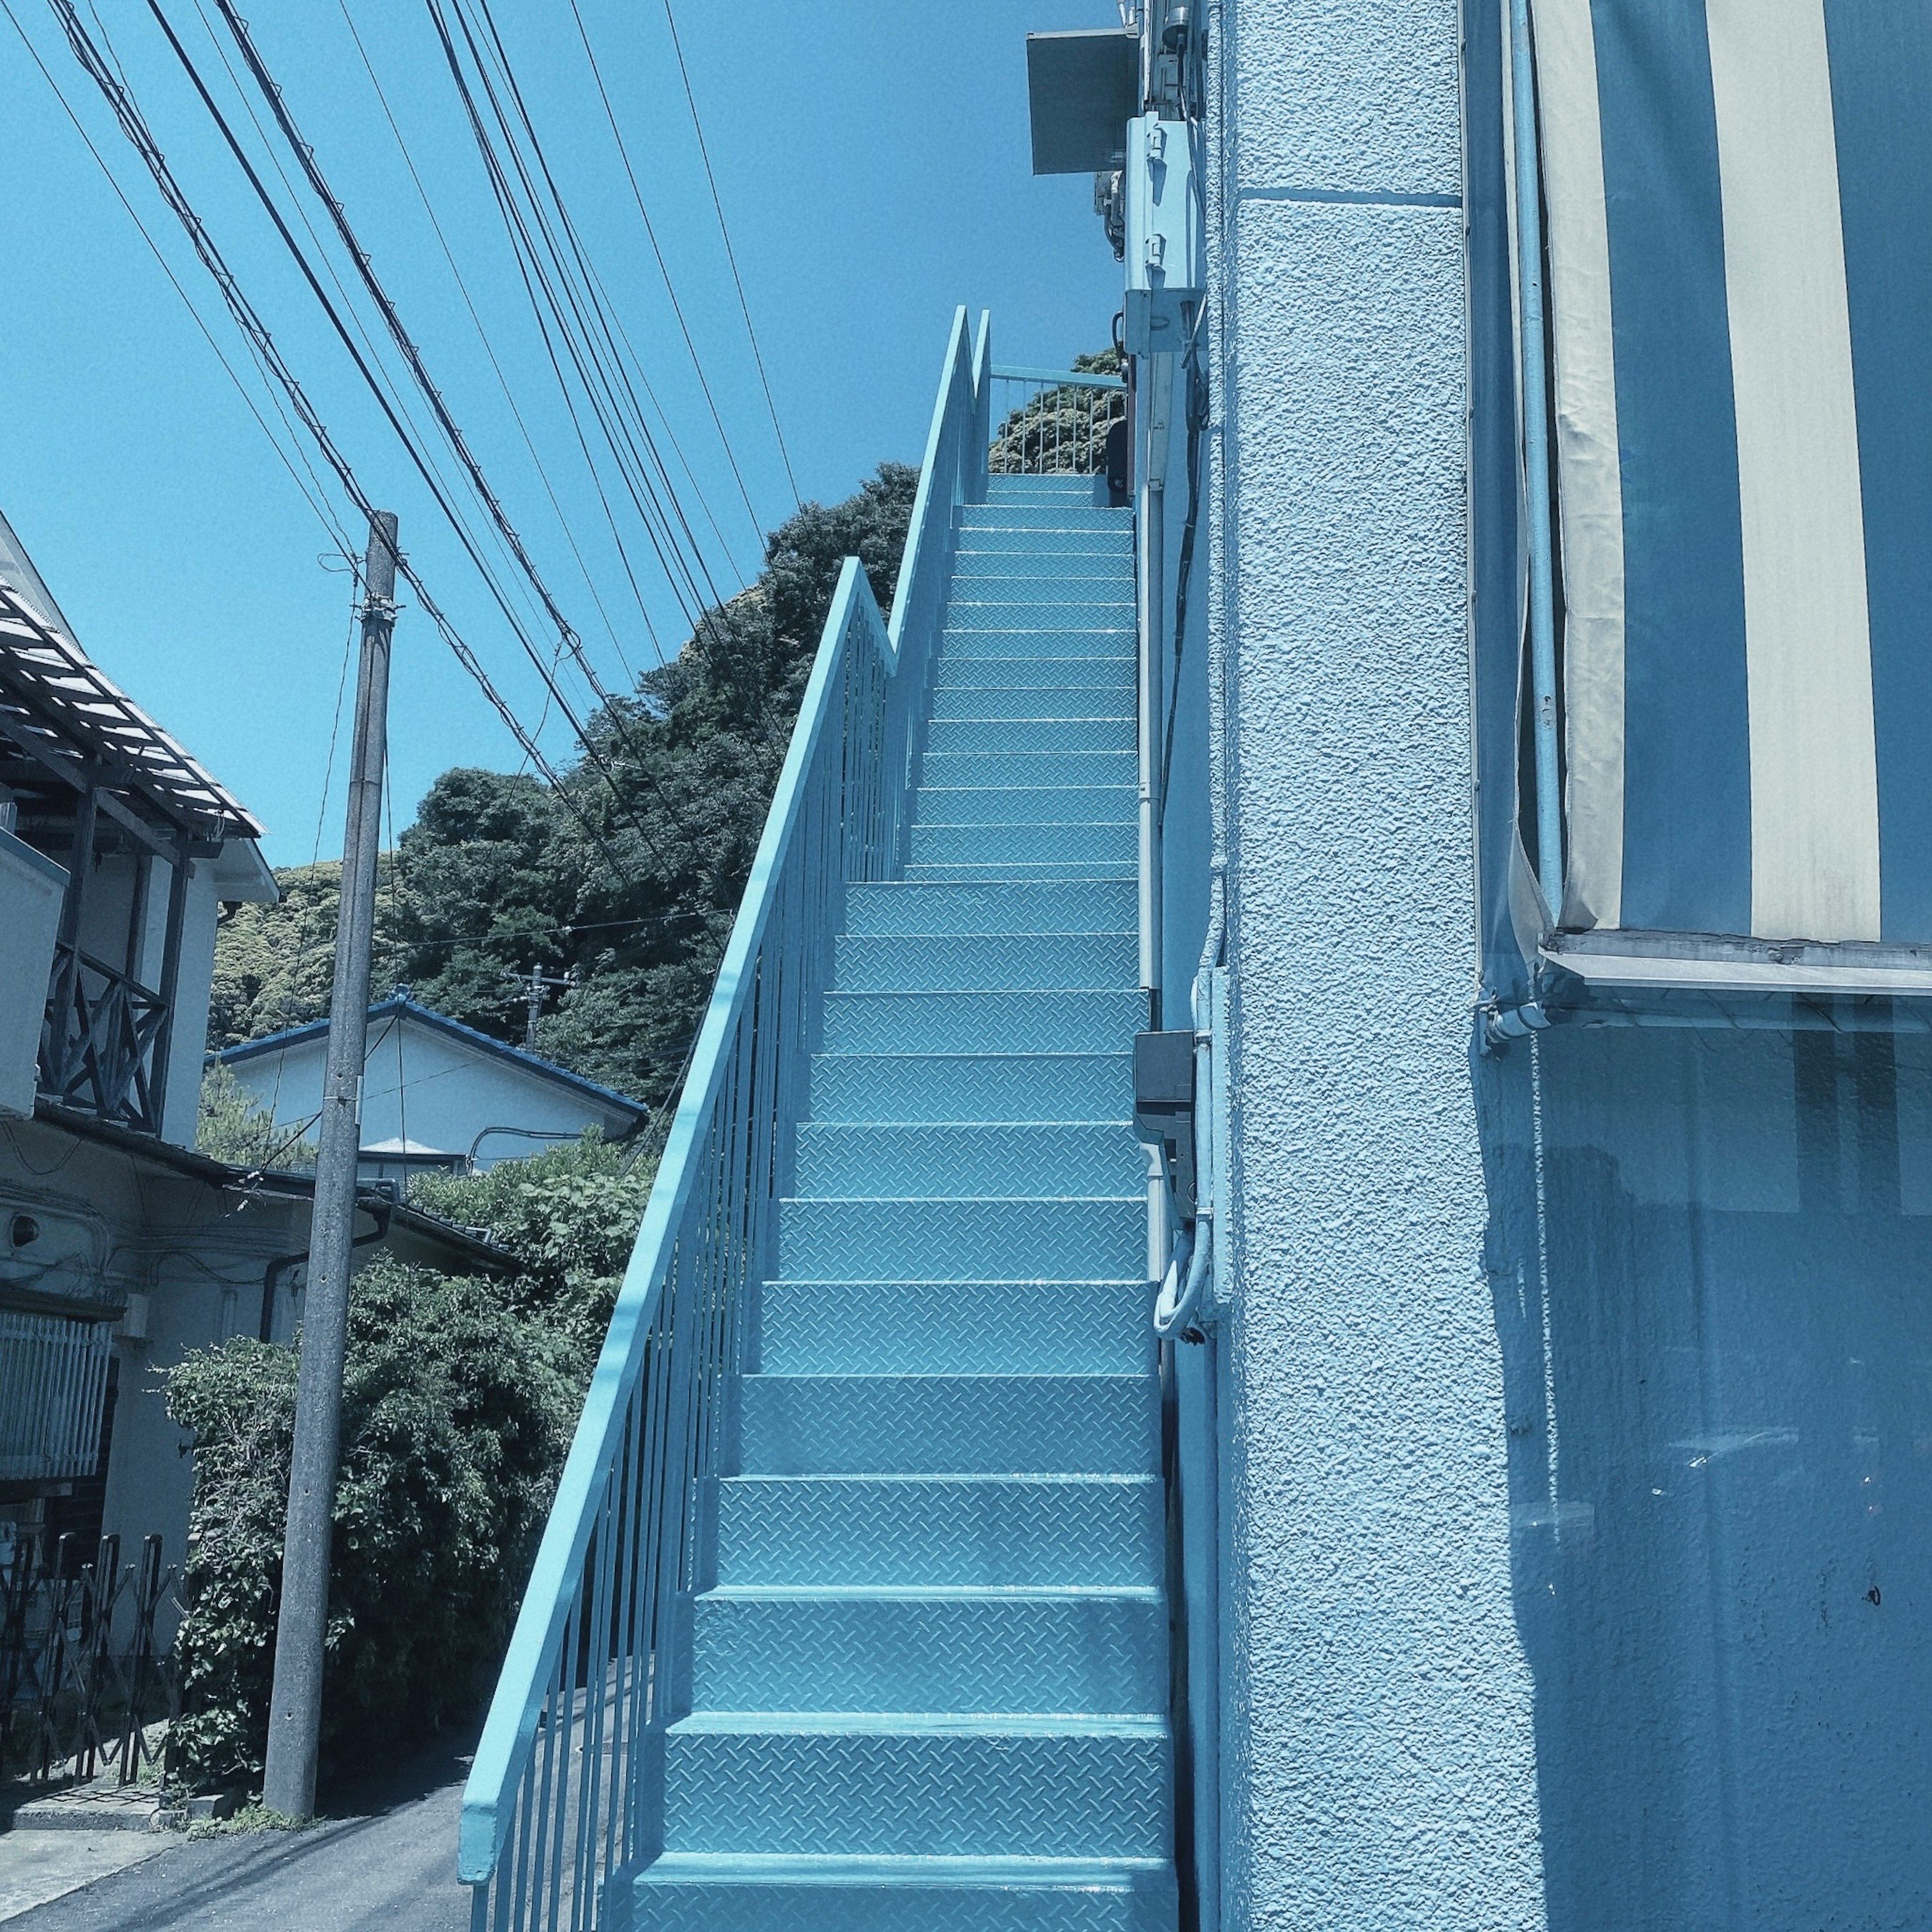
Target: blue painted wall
point(1579, 1477)
point(1379, 1753)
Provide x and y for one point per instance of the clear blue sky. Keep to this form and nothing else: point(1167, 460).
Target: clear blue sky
point(872, 157)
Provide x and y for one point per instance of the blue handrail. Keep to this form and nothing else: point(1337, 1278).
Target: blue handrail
point(565, 1789)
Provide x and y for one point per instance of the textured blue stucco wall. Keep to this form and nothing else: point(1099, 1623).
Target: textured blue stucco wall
point(1383, 1772)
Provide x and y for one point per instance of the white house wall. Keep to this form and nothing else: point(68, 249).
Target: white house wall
point(1380, 1759)
point(454, 1091)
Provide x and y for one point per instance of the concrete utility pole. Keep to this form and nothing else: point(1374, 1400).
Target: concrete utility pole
point(295, 1706)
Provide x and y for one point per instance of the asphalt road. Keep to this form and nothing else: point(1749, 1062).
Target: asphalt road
point(384, 1862)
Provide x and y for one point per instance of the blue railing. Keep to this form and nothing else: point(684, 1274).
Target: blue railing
point(1046, 422)
point(566, 1788)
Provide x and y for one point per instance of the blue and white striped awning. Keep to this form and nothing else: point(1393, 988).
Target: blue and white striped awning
point(1738, 196)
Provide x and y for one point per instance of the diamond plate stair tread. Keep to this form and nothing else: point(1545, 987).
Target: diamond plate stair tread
point(1069, 869)
point(687, 1892)
point(1086, 1021)
point(1102, 644)
point(843, 1158)
point(957, 1529)
point(896, 908)
point(995, 1650)
point(1030, 704)
point(941, 962)
point(1004, 735)
point(1071, 568)
point(955, 1327)
point(988, 843)
point(972, 1087)
point(1063, 1237)
point(931, 1783)
point(988, 675)
point(1012, 805)
point(1033, 517)
point(1027, 768)
point(948, 1425)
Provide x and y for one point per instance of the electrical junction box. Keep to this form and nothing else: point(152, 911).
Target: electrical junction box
point(1166, 272)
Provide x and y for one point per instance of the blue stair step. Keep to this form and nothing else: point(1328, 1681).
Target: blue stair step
point(972, 1087)
point(1014, 804)
point(1056, 625)
point(867, 1239)
point(840, 1159)
point(1018, 869)
point(1068, 568)
point(690, 1891)
point(1041, 768)
point(982, 636)
point(968, 961)
point(956, 1327)
point(931, 1784)
point(1004, 1530)
point(1034, 703)
point(1087, 1021)
point(776, 1648)
point(1005, 735)
point(992, 676)
point(899, 908)
point(985, 844)
point(1042, 517)
point(948, 1425)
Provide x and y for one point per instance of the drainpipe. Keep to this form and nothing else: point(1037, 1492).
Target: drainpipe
point(271, 1276)
point(1152, 511)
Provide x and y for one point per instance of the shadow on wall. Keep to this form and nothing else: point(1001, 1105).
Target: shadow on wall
point(1711, 1258)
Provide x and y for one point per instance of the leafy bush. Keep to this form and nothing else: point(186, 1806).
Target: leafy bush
point(456, 1411)
point(569, 1216)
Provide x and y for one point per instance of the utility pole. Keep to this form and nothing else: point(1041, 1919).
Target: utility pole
point(294, 1705)
point(531, 986)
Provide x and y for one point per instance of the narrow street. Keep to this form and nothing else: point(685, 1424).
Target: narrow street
point(384, 1860)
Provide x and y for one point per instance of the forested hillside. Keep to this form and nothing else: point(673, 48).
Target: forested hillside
point(631, 887)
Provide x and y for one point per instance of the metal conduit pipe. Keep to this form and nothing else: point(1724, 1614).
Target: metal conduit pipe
point(1536, 460)
point(1152, 512)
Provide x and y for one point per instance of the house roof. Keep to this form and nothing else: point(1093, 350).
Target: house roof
point(462, 1246)
point(399, 1006)
point(56, 706)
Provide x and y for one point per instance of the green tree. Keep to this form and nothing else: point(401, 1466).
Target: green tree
point(569, 1215)
point(498, 874)
point(274, 964)
point(455, 1412)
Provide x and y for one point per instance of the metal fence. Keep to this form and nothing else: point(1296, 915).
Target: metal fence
point(566, 1787)
point(83, 1680)
point(1051, 424)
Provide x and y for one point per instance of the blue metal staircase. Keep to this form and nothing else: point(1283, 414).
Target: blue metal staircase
point(928, 1687)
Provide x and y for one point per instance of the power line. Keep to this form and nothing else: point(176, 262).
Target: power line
point(489, 350)
point(305, 157)
point(663, 267)
point(415, 455)
point(730, 254)
point(311, 489)
point(135, 127)
point(606, 395)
